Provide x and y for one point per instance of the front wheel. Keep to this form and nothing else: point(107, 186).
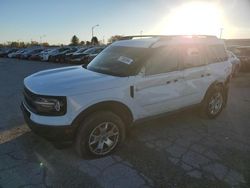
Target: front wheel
point(213, 103)
point(100, 134)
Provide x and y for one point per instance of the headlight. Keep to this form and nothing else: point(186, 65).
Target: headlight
point(50, 106)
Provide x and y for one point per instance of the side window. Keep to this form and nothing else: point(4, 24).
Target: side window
point(216, 53)
point(163, 60)
point(192, 57)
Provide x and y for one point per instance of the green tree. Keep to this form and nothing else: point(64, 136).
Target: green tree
point(82, 42)
point(88, 43)
point(22, 45)
point(74, 40)
point(94, 41)
point(114, 38)
point(34, 43)
point(14, 44)
point(45, 44)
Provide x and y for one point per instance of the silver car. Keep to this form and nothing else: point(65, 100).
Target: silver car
point(235, 62)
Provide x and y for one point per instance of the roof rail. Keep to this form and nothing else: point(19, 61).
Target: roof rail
point(130, 37)
point(166, 36)
point(203, 36)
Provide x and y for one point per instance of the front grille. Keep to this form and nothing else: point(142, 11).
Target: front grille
point(29, 98)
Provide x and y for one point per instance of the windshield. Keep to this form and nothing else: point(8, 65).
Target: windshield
point(119, 60)
point(81, 50)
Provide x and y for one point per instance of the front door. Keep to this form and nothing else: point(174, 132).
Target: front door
point(159, 90)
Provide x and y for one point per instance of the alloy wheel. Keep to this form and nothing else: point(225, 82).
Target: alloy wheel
point(103, 138)
point(215, 103)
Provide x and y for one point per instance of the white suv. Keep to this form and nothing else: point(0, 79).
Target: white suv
point(128, 81)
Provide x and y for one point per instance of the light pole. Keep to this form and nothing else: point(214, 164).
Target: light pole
point(103, 40)
point(221, 30)
point(92, 29)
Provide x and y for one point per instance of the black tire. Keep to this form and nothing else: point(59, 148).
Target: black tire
point(206, 111)
point(90, 124)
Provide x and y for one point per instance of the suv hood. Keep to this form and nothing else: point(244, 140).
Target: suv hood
point(70, 81)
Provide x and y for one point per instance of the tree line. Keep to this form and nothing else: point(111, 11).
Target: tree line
point(94, 41)
point(75, 41)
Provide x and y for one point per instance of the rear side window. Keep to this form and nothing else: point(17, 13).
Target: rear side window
point(162, 60)
point(216, 53)
point(192, 56)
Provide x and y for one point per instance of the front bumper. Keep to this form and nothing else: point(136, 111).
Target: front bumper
point(49, 132)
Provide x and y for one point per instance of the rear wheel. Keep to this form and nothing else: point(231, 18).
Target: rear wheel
point(100, 134)
point(213, 103)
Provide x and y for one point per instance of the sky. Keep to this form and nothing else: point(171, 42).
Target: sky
point(56, 21)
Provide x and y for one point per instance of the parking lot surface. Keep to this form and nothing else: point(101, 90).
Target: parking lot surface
point(181, 150)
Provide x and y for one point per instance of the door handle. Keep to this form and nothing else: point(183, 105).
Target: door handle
point(132, 91)
point(168, 82)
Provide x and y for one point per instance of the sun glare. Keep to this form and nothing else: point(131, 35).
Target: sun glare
point(192, 18)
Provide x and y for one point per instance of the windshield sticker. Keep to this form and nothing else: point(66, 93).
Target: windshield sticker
point(125, 60)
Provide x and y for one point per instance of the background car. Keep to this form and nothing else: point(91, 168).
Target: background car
point(61, 56)
point(19, 53)
point(13, 54)
point(6, 51)
point(244, 56)
point(28, 52)
point(84, 58)
point(67, 56)
point(44, 55)
point(243, 53)
point(92, 56)
point(235, 62)
point(35, 55)
point(56, 55)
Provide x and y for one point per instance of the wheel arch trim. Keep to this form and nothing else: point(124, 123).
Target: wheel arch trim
point(116, 107)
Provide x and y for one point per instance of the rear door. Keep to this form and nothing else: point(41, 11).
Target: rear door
point(218, 63)
point(195, 73)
